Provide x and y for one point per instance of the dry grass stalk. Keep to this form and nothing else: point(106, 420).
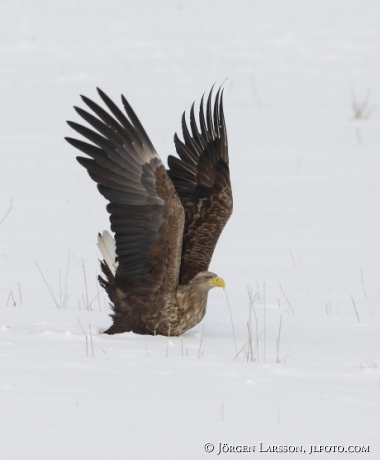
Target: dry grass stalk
point(200, 352)
point(258, 291)
point(92, 344)
point(328, 308)
point(356, 311)
point(293, 259)
point(278, 360)
point(63, 299)
point(291, 308)
point(368, 365)
point(243, 348)
point(249, 327)
point(284, 358)
point(8, 211)
point(362, 277)
point(252, 300)
point(85, 336)
point(19, 293)
point(87, 304)
point(13, 299)
point(249, 354)
point(361, 110)
point(232, 322)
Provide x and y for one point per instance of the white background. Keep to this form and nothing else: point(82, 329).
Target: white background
point(306, 217)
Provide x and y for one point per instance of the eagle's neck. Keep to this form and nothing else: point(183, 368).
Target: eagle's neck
point(191, 305)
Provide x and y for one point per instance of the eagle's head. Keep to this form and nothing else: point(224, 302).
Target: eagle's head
point(207, 280)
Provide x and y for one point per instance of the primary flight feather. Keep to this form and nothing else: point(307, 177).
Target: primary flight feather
point(166, 222)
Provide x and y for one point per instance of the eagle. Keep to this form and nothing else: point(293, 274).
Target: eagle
point(166, 221)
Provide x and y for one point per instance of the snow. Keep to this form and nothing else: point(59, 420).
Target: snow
point(304, 235)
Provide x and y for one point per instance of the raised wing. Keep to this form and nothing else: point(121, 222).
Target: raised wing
point(202, 180)
point(146, 214)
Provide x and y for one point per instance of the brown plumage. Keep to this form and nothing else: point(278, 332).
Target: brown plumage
point(166, 222)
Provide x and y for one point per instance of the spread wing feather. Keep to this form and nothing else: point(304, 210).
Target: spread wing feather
point(202, 181)
point(145, 212)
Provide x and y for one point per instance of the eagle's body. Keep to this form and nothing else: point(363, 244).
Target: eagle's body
point(166, 222)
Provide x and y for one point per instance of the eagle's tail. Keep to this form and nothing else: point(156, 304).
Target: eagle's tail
point(107, 248)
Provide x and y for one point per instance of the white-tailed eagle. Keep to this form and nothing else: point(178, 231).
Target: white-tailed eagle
point(166, 222)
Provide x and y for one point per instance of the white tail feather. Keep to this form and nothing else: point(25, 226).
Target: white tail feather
point(107, 248)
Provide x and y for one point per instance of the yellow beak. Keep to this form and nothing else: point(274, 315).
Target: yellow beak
point(218, 282)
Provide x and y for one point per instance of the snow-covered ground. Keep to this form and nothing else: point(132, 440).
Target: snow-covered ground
point(305, 233)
